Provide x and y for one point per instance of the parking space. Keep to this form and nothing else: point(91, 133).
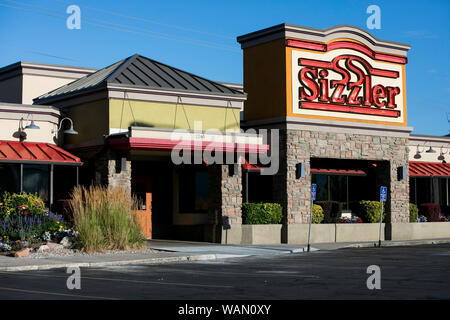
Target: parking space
point(406, 273)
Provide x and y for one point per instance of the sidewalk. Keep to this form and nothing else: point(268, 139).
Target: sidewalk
point(173, 251)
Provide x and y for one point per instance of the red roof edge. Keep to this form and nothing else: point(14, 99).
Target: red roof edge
point(429, 169)
point(35, 152)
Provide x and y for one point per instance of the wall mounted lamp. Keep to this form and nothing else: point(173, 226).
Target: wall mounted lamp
point(431, 150)
point(67, 131)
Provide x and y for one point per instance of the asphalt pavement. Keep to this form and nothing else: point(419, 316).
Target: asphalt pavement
point(406, 272)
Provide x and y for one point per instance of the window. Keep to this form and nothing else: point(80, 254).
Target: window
point(64, 180)
point(429, 190)
point(193, 190)
point(10, 177)
point(36, 180)
point(331, 187)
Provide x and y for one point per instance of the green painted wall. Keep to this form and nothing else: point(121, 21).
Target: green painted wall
point(91, 120)
point(162, 115)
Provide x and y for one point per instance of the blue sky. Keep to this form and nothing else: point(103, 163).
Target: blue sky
point(200, 37)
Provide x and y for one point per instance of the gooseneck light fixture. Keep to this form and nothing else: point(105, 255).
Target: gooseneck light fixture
point(70, 130)
point(441, 156)
point(417, 155)
point(32, 125)
point(431, 150)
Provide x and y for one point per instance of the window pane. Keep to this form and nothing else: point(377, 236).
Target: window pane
point(36, 180)
point(64, 180)
point(193, 190)
point(338, 187)
point(321, 181)
point(443, 191)
point(9, 178)
point(424, 189)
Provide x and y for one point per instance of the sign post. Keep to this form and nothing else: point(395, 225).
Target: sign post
point(383, 192)
point(313, 197)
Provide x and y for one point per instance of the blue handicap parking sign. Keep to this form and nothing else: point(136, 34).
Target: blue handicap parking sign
point(313, 191)
point(383, 192)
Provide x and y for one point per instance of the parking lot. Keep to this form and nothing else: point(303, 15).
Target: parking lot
point(413, 272)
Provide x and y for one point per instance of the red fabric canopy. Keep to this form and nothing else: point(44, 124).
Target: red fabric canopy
point(15, 151)
point(343, 172)
point(429, 169)
point(249, 166)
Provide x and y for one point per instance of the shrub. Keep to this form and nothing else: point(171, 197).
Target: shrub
point(413, 212)
point(317, 216)
point(262, 213)
point(105, 219)
point(369, 211)
point(431, 211)
point(332, 210)
point(17, 204)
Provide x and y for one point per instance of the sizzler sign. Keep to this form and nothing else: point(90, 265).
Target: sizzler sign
point(348, 85)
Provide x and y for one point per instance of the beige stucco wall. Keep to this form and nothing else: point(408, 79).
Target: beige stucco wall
point(14, 118)
point(422, 144)
point(35, 86)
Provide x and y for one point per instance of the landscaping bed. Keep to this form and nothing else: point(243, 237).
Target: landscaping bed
point(104, 221)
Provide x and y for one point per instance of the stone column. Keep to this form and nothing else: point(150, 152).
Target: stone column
point(109, 171)
point(225, 205)
point(399, 202)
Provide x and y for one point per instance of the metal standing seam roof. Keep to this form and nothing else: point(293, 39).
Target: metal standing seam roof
point(429, 169)
point(142, 72)
point(29, 152)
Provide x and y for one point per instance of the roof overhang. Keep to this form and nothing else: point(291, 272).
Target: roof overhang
point(35, 153)
point(322, 36)
point(428, 169)
point(339, 172)
point(139, 138)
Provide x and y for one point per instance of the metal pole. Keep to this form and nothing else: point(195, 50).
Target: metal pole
point(246, 186)
point(78, 176)
point(21, 177)
point(381, 222)
point(51, 187)
point(310, 222)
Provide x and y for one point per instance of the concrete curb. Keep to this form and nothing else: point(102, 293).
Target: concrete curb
point(395, 243)
point(201, 257)
point(214, 256)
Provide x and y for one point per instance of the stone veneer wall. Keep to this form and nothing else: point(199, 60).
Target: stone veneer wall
point(300, 145)
point(225, 202)
point(108, 173)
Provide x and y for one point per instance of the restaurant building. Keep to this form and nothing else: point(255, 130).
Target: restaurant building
point(334, 98)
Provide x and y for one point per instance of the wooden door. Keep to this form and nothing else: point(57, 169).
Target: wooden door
point(141, 187)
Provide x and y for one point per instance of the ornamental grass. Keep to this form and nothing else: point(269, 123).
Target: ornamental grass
point(106, 219)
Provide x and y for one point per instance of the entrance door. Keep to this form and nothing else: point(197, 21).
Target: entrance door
point(141, 188)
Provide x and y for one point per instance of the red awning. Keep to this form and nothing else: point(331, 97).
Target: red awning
point(429, 169)
point(342, 172)
point(249, 166)
point(167, 144)
point(35, 152)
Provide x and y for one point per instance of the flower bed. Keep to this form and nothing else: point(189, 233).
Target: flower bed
point(354, 219)
point(25, 223)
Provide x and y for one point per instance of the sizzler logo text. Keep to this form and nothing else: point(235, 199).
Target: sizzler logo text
point(361, 96)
